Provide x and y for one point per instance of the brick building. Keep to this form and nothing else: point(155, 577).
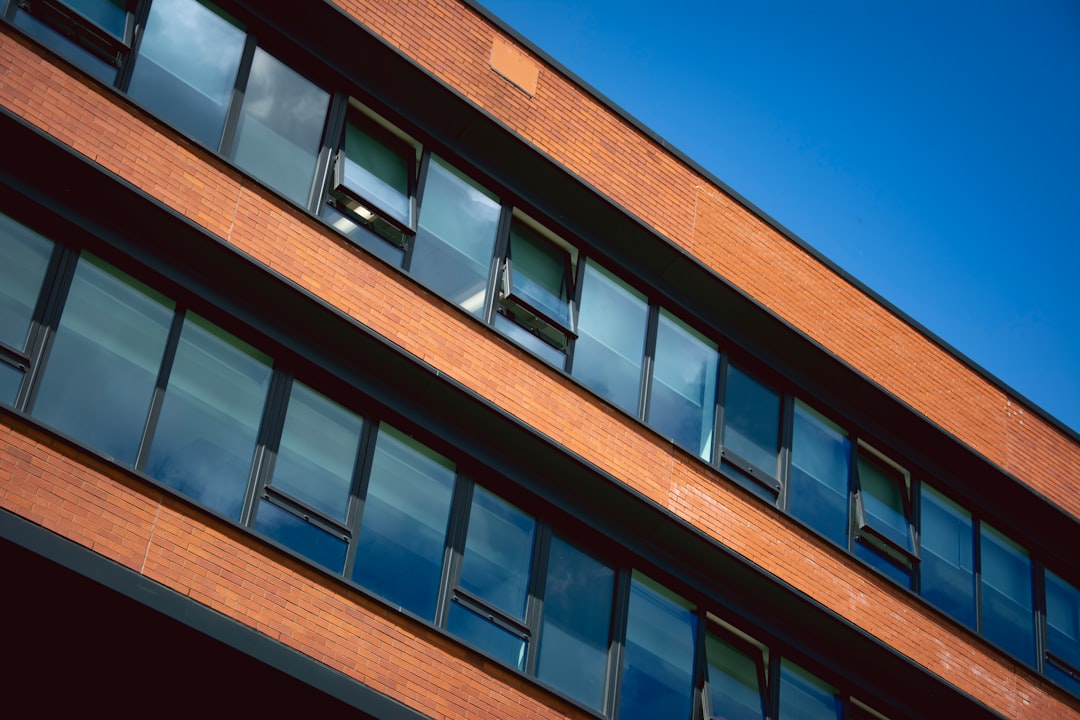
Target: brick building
point(361, 359)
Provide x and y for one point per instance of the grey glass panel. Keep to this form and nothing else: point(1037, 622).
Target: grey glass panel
point(734, 687)
point(611, 338)
point(25, 259)
point(946, 558)
point(378, 171)
point(658, 663)
point(805, 697)
point(104, 360)
point(540, 272)
point(1063, 619)
point(751, 420)
point(280, 128)
point(364, 237)
point(205, 437)
point(109, 15)
point(186, 68)
point(882, 492)
point(10, 380)
point(820, 459)
point(311, 541)
point(1007, 617)
point(576, 626)
point(682, 400)
point(317, 454)
point(64, 47)
point(456, 237)
point(498, 553)
point(403, 529)
point(487, 636)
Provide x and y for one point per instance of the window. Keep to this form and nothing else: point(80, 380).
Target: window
point(22, 274)
point(751, 439)
point(820, 462)
point(947, 556)
point(682, 396)
point(1062, 632)
point(95, 35)
point(805, 697)
point(883, 526)
point(611, 338)
point(734, 679)
point(1006, 601)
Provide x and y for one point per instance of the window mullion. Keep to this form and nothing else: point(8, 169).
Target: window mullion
point(455, 546)
point(648, 361)
point(236, 102)
point(361, 478)
point(537, 585)
point(61, 272)
point(331, 139)
point(418, 203)
point(269, 436)
point(162, 383)
point(617, 646)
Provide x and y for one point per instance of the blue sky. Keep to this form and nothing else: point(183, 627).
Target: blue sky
point(930, 149)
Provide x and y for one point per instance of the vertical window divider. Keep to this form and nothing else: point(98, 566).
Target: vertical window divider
point(854, 509)
point(39, 319)
point(575, 309)
point(1038, 581)
point(537, 587)
point(137, 23)
point(455, 545)
point(499, 259)
point(647, 362)
point(358, 490)
point(976, 538)
point(236, 100)
point(701, 680)
point(417, 205)
point(619, 615)
point(717, 452)
point(266, 444)
point(787, 420)
point(772, 690)
point(331, 139)
point(61, 271)
point(158, 398)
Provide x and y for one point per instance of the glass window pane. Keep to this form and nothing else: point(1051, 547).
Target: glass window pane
point(186, 68)
point(10, 379)
point(875, 557)
point(205, 437)
point(63, 46)
point(1063, 619)
point(104, 360)
point(577, 623)
point(611, 339)
point(364, 236)
point(751, 420)
point(734, 687)
point(658, 664)
point(487, 636)
point(26, 258)
point(109, 15)
point(682, 400)
point(305, 538)
point(378, 169)
point(805, 697)
point(820, 459)
point(280, 129)
point(540, 272)
point(1007, 617)
point(882, 493)
point(403, 529)
point(946, 558)
point(317, 454)
point(456, 237)
point(498, 553)
point(529, 341)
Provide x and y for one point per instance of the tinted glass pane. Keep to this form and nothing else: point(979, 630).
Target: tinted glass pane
point(10, 380)
point(403, 530)
point(486, 635)
point(1063, 619)
point(280, 130)
point(872, 556)
point(947, 565)
point(882, 492)
point(25, 259)
point(529, 341)
point(805, 697)
point(540, 271)
point(311, 541)
point(498, 553)
point(1007, 618)
point(378, 171)
point(820, 457)
point(456, 237)
point(205, 436)
point(363, 237)
point(658, 663)
point(576, 626)
point(109, 15)
point(187, 66)
point(611, 339)
point(104, 360)
point(682, 401)
point(60, 44)
point(734, 691)
point(317, 454)
point(751, 420)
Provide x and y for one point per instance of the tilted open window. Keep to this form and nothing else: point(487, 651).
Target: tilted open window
point(96, 35)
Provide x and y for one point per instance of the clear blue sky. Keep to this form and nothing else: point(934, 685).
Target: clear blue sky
point(931, 149)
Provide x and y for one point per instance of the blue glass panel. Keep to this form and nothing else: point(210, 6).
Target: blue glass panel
point(805, 697)
point(280, 128)
point(540, 270)
point(734, 691)
point(103, 365)
point(378, 171)
point(751, 420)
point(682, 401)
point(25, 259)
point(820, 460)
point(611, 340)
point(64, 47)
point(1063, 619)
point(187, 65)
point(576, 626)
point(205, 436)
point(309, 540)
point(486, 635)
point(894, 572)
point(947, 564)
point(403, 529)
point(498, 553)
point(109, 15)
point(456, 237)
point(317, 453)
point(882, 492)
point(658, 664)
point(1007, 617)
